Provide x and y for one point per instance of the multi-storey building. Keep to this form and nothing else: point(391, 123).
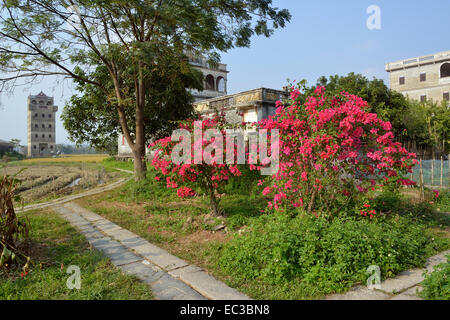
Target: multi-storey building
point(41, 125)
point(421, 78)
point(215, 79)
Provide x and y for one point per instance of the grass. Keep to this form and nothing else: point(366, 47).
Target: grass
point(436, 285)
point(57, 245)
point(71, 158)
point(185, 228)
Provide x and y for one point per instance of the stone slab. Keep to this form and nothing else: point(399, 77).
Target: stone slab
point(360, 293)
point(90, 236)
point(158, 256)
point(207, 285)
point(163, 286)
point(86, 214)
point(123, 258)
point(106, 226)
point(146, 273)
point(410, 294)
point(168, 288)
point(403, 296)
point(437, 259)
point(403, 281)
point(124, 236)
point(118, 254)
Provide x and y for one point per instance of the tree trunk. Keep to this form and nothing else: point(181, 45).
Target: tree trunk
point(140, 167)
point(214, 205)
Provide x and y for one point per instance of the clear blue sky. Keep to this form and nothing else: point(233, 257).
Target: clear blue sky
point(324, 38)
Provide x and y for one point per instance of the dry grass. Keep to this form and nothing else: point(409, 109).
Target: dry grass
point(91, 158)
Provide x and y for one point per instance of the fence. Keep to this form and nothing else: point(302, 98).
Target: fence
point(432, 173)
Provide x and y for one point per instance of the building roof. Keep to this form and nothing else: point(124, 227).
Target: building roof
point(417, 61)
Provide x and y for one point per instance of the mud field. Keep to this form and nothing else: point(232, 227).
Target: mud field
point(42, 182)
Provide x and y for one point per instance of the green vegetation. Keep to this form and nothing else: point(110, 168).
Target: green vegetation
point(308, 257)
point(56, 245)
point(443, 201)
point(277, 256)
point(436, 285)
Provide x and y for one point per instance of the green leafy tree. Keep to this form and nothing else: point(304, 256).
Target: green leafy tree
point(73, 38)
point(167, 101)
point(428, 124)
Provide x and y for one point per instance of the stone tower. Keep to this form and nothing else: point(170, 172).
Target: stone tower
point(41, 125)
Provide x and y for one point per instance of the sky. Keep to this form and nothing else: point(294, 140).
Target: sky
point(325, 37)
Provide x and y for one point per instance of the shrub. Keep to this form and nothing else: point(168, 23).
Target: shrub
point(333, 154)
point(327, 256)
point(436, 285)
point(11, 229)
point(210, 173)
point(443, 201)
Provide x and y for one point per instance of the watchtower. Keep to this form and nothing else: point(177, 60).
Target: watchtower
point(41, 125)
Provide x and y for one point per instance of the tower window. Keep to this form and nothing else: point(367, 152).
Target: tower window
point(209, 81)
point(43, 115)
point(35, 125)
point(49, 125)
point(35, 114)
point(220, 84)
point(43, 126)
point(49, 135)
point(49, 115)
point(445, 70)
point(34, 147)
point(401, 80)
point(43, 136)
point(35, 135)
point(423, 77)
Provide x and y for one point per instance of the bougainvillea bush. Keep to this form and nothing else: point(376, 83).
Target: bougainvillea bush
point(333, 154)
point(208, 175)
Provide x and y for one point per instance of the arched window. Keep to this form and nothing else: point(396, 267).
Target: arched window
point(220, 84)
point(445, 70)
point(209, 82)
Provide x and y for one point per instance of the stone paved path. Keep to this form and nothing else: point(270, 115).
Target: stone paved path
point(402, 287)
point(169, 277)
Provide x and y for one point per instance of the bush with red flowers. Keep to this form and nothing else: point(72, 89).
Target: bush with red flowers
point(333, 154)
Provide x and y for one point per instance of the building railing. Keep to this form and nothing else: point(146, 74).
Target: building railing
point(407, 63)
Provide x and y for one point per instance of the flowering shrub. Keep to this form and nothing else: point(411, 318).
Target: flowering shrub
point(333, 153)
point(208, 174)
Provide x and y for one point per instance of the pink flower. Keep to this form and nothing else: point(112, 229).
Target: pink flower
point(304, 176)
point(266, 191)
point(436, 193)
